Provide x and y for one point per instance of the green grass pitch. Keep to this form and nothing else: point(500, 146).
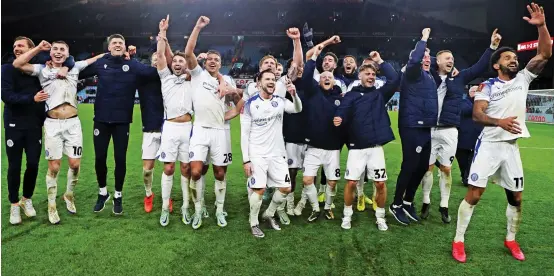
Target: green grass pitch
point(136, 244)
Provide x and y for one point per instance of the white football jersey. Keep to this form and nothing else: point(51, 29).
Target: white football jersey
point(60, 91)
point(506, 99)
point(251, 89)
point(441, 94)
point(176, 94)
point(229, 104)
point(261, 124)
point(209, 108)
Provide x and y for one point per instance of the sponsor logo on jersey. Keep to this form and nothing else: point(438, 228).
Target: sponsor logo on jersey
point(265, 121)
point(209, 87)
point(125, 68)
point(496, 96)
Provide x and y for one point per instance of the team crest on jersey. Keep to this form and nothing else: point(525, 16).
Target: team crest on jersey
point(337, 102)
point(125, 68)
point(274, 104)
point(290, 161)
point(9, 143)
point(474, 177)
point(418, 149)
point(105, 66)
point(96, 132)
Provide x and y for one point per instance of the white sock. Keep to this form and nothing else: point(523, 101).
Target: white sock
point(464, 216)
point(118, 194)
point(167, 184)
point(407, 203)
point(514, 219)
point(322, 188)
point(196, 187)
point(255, 201)
point(374, 191)
point(185, 182)
point(311, 192)
point(103, 191)
point(329, 196)
point(347, 212)
point(380, 212)
point(426, 185)
point(51, 186)
point(290, 200)
point(360, 188)
point(148, 176)
point(220, 188)
point(445, 184)
point(277, 199)
point(202, 191)
point(250, 191)
point(72, 179)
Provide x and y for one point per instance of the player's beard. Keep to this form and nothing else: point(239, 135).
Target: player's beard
point(507, 71)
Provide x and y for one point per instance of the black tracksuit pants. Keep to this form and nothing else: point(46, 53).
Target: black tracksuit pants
point(103, 132)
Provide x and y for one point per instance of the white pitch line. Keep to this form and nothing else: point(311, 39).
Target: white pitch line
point(519, 147)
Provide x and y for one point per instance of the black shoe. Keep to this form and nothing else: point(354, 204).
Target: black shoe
point(398, 213)
point(425, 210)
point(444, 214)
point(118, 206)
point(314, 216)
point(410, 212)
point(101, 202)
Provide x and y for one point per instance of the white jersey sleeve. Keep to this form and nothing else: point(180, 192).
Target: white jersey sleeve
point(196, 71)
point(245, 124)
point(37, 68)
point(293, 107)
point(164, 73)
point(80, 65)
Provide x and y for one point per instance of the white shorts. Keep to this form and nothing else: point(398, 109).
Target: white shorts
point(295, 154)
point(329, 159)
point(270, 172)
point(370, 159)
point(213, 141)
point(175, 142)
point(63, 136)
point(150, 145)
point(444, 142)
point(498, 159)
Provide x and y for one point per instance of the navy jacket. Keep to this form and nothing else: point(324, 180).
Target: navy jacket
point(320, 109)
point(18, 92)
point(469, 130)
point(418, 93)
point(363, 111)
point(117, 84)
point(450, 113)
point(294, 125)
point(151, 104)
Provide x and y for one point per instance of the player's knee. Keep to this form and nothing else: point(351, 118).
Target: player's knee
point(284, 190)
point(148, 165)
point(53, 169)
point(514, 198)
point(169, 169)
point(185, 169)
point(307, 181)
point(431, 167)
point(352, 183)
point(446, 170)
point(379, 185)
point(219, 174)
point(332, 183)
point(474, 195)
point(74, 164)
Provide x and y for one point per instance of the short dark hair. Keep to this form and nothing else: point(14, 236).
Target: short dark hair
point(496, 55)
point(332, 55)
point(368, 66)
point(213, 52)
point(260, 74)
point(61, 42)
point(115, 36)
point(179, 53)
point(28, 40)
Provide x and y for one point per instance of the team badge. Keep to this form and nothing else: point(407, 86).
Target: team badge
point(337, 102)
point(290, 161)
point(96, 132)
point(274, 104)
point(474, 177)
point(191, 154)
point(163, 154)
point(418, 149)
point(105, 66)
point(9, 143)
point(125, 68)
point(252, 180)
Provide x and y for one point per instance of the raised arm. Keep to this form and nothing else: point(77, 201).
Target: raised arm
point(331, 41)
point(413, 68)
point(161, 47)
point(202, 22)
point(391, 75)
point(296, 105)
point(297, 56)
point(8, 94)
point(308, 82)
point(94, 59)
point(22, 62)
point(544, 50)
point(482, 65)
